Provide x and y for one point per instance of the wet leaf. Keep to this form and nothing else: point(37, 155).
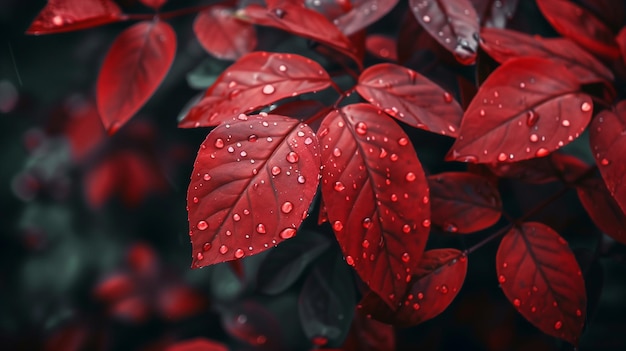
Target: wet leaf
point(454, 24)
point(436, 283)
point(236, 91)
point(539, 275)
point(367, 334)
point(527, 108)
point(607, 137)
point(362, 14)
point(133, 69)
point(376, 195)
point(251, 187)
point(68, 15)
point(284, 264)
point(580, 25)
point(382, 46)
point(504, 44)
point(222, 35)
point(602, 209)
point(300, 21)
point(556, 167)
point(411, 98)
point(463, 203)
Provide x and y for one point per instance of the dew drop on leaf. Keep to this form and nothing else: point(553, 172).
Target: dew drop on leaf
point(287, 233)
point(367, 223)
point(558, 325)
point(223, 249)
point(534, 138)
point(202, 225)
point(361, 128)
point(604, 162)
point(406, 228)
point(275, 170)
point(200, 256)
point(260, 228)
point(252, 138)
point(339, 186)
point(585, 107)
point(337, 152)
point(416, 306)
point(531, 118)
point(516, 302)
point(541, 152)
point(206, 247)
point(447, 97)
point(444, 289)
point(410, 177)
point(426, 223)
point(292, 157)
point(286, 207)
point(501, 279)
point(406, 257)
point(350, 260)
point(239, 253)
point(268, 89)
point(338, 226)
point(219, 143)
point(236, 217)
point(502, 157)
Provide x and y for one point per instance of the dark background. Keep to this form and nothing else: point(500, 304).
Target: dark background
point(94, 251)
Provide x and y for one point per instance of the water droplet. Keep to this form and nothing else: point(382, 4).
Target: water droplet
point(236, 217)
point(517, 302)
point(393, 157)
point(451, 227)
point(541, 152)
point(406, 228)
point(282, 68)
point(361, 128)
point(605, 162)
point(365, 244)
point(367, 223)
point(406, 257)
point(501, 279)
point(223, 249)
point(260, 228)
point(558, 325)
point(200, 256)
point(531, 118)
point(394, 197)
point(420, 296)
point(338, 226)
point(287, 233)
point(447, 97)
point(533, 309)
point(410, 177)
point(585, 107)
point(252, 138)
point(219, 143)
point(534, 138)
point(231, 149)
point(383, 153)
point(444, 289)
point(206, 247)
point(57, 20)
point(416, 306)
point(268, 89)
point(275, 170)
point(286, 207)
point(350, 260)
point(522, 85)
point(403, 141)
point(426, 223)
point(195, 200)
point(482, 113)
point(292, 157)
point(565, 123)
point(337, 152)
point(502, 157)
point(339, 186)
point(202, 225)
point(206, 176)
point(308, 141)
point(426, 19)
point(579, 313)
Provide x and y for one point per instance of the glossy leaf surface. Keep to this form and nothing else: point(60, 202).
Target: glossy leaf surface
point(556, 167)
point(68, 15)
point(382, 46)
point(376, 196)
point(300, 21)
point(503, 44)
point(574, 22)
point(454, 24)
point(222, 35)
point(539, 275)
point(527, 108)
point(251, 187)
point(607, 136)
point(436, 283)
point(362, 14)
point(133, 69)
point(155, 4)
point(463, 202)
point(602, 208)
point(236, 90)
point(411, 98)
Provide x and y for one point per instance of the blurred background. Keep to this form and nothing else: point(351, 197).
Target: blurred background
point(94, 246)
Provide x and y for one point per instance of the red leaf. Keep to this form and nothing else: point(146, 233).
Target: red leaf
point(454, 24)
point(556, 167)
point(382, 46)
point(362, 14)
point(602, 209)
point(527, 108)
point(198, 344)
point(367, 334)
point(608, 142)
point(539, 274)
point(133, 69)
point(155, 4)
point(178, 302)
point(495, 13)
point(580, 25)
point(303, 22)
point(236, 91)
point(67, 15)
point(252, 184)
point(222, 35)
point(376, 194)
point(84, 130)
point(503, 44)
point(411, 98)
point(436, 283)
point(463, 203)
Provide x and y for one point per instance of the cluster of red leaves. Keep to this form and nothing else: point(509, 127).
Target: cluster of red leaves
point(257, 173)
